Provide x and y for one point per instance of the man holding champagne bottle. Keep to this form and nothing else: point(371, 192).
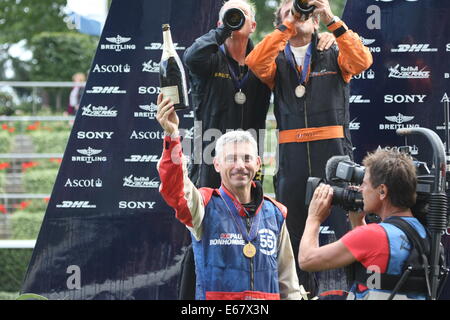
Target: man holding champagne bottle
point(241, 244)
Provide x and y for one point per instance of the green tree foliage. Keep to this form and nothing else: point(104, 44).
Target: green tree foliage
point(58, 55)
point(22, 19)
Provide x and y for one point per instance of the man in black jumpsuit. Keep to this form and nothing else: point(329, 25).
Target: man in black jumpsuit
point(225, 93)
point(311, 97)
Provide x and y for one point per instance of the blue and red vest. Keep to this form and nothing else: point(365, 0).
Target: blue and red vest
point(223, 272)
point(399, 250)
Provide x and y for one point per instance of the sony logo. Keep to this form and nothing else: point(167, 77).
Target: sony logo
point(94, 135)
point(136, 204)
point(407, 98)
point(149, 90)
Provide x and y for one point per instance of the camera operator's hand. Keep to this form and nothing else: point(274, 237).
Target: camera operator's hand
point(320, 206)
point(166, 116)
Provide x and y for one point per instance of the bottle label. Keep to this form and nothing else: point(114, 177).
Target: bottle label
point(172, 93)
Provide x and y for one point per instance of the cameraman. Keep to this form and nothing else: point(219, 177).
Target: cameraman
point(389, 190)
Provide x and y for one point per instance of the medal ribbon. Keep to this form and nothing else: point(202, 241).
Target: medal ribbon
point(234, 207)
point(238, 83)
point(306, 62)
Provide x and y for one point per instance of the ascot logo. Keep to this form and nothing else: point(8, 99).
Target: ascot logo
point(408, 98)
point(369, 75)
point(151, 66)
point(142, 158)
point(414, 48)
point(146, 135)
point(89, 156)
point(94, 135)
point(408, 72)
point(99, 112)
point(137, 204)
point(76, 205)
point(149, 111)
point(140, 182)
point(83, 183)
point(119, 43)
point(112, 68)
point(109, 90)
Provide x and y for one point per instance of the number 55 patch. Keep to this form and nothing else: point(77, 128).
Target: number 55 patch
point(268, 241)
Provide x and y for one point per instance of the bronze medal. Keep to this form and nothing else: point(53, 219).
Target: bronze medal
point(249, 250)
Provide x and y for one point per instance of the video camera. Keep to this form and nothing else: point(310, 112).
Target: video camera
point(341, 174)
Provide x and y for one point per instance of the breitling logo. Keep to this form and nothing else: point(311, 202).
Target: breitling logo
point(119, 43)
point(89, 156)
point(399, 118)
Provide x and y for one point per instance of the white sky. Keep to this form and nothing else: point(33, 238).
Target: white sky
point(88, 7)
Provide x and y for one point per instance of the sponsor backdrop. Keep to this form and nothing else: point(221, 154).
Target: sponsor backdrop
point(107, 233)
point(409, 80)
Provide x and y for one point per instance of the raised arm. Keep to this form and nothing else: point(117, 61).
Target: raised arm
point(262, 58)
point(199, 57)
point(176, 188)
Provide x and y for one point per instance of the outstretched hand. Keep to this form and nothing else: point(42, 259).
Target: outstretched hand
point(166, 115)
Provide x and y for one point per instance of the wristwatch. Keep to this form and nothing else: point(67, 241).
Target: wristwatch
point(335, 19)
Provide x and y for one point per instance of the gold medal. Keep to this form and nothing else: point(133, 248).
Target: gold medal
point(249, 250)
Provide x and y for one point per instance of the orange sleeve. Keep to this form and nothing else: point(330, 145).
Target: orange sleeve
point(261, 59)
point(353, 56)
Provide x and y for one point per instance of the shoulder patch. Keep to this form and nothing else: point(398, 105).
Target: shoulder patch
point(279, 205)
point(206, 194)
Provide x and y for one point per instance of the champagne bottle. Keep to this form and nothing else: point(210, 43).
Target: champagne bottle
point(172, 78)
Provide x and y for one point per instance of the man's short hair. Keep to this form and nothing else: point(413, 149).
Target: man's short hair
point(396, 170)
point(237, 136)
point(247, 2)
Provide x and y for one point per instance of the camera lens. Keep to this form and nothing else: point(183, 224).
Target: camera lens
point(302, 6)
point(347, 199)
point(234, 19)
